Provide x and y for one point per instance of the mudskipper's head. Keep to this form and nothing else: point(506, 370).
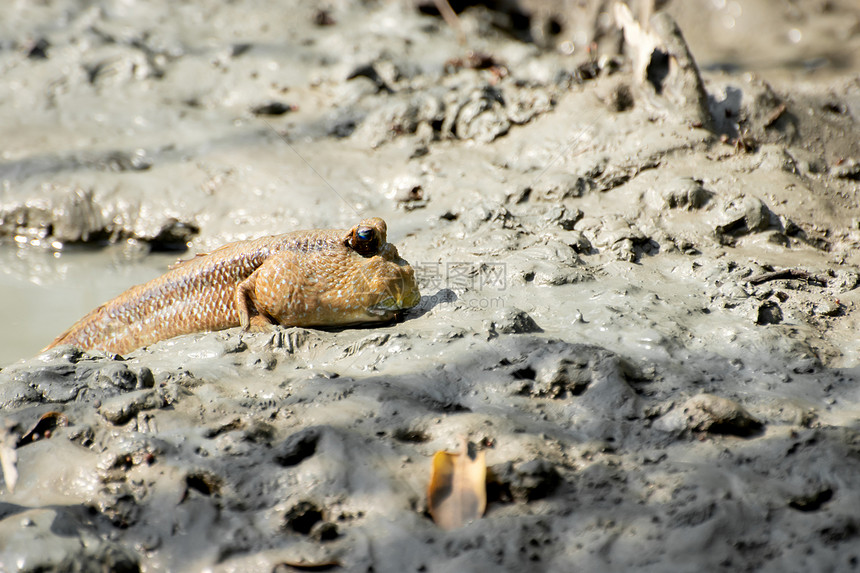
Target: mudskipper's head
point(382, 283)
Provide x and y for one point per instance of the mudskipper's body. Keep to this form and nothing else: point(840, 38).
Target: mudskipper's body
point(320, 278)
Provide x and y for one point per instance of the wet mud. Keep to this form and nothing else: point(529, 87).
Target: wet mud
point(637, 250)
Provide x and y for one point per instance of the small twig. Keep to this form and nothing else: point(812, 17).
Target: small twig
point(646, 10)
point(774, 115)
point(451, 19)
point(785, 274)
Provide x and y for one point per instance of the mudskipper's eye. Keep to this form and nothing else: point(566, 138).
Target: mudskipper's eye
point(365, 240)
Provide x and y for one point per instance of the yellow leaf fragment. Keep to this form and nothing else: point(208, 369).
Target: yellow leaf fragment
point(43, 428)
point(458, 487)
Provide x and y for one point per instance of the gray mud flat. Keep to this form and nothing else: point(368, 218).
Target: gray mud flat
point(639, 298)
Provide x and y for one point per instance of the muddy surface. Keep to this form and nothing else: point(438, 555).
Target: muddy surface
point(639, 270)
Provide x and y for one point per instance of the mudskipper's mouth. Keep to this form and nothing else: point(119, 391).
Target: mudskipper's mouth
point(392, 305)
point(381, 312)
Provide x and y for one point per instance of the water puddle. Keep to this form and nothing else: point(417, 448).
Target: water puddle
point(43, 292)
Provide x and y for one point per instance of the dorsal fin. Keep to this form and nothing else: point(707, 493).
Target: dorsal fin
point(182, 262)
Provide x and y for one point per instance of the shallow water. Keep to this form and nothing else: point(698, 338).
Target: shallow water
point(44, 291)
